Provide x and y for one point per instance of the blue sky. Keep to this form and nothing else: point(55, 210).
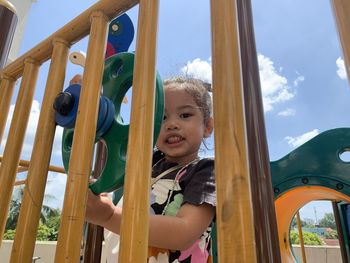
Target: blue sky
point(303, 80)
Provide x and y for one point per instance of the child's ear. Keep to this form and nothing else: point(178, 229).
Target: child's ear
point(209, 127)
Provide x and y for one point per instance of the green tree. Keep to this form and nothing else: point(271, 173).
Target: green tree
point(53, 223)
point(328, 221)
point(9, 234)
point(304, 223)
point(45, 232)
point(331, 235)
point(308, 222)
point(15, 205)
point(309, 238)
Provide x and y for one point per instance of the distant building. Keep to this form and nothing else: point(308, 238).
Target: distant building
point(321, 231)
point(22, 8)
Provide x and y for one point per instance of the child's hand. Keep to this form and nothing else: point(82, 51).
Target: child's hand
point(77, 79)
point(99, 208)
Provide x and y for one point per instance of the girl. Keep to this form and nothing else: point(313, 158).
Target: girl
point(183, 186)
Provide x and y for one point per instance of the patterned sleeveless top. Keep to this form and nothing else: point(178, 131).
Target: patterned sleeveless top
point(193, 184)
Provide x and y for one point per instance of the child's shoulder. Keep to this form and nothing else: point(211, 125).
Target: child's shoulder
point(208, 160)
point(205, 163)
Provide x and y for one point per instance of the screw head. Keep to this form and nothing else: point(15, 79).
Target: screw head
point(305, 180)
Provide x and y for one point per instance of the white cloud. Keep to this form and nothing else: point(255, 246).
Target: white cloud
point(56, 188)
point(287, 112)
point(341, 68)
point(274, 87)
point(56, 181)
point(298, 80)
point(56, 148)
point(30, 133)
point(299, 140)
point(198, 68)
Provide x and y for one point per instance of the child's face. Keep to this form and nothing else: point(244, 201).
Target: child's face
point(183, 127)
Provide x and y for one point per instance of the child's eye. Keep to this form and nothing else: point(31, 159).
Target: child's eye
point(164, 118)
point(185, 115)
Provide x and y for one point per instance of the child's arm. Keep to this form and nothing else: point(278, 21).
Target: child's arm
point(181, 231)
point(172, 232)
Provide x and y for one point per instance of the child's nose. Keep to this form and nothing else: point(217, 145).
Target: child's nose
point(172, 125)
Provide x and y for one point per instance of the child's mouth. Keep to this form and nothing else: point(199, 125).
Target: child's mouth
point(174, 139)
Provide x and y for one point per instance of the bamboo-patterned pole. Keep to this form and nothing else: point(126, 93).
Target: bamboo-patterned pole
point(135, 221)
point(72, 32)
point(8, 169)
point(28, 221)
point(21, 169)
point(236, 241)
point(341, 9)
point(301, 238)
point(6, 91)
point(20, 182)
point(52, 168)
point(73, 213)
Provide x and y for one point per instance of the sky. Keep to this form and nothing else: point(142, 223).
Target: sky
point(304, 85)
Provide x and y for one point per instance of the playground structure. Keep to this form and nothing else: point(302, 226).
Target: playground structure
point(246, 218)
point(313, 171)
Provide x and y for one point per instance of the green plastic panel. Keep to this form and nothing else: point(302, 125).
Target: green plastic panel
point(316, 163)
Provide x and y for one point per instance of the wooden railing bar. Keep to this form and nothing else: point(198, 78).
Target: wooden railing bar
point(52, 168)
point(7, 85)
point(72, 32)
point(135, 221)
point(13, 147)
point(235, 229)
point(341, 9)
point(73, 213)
point(34, 190)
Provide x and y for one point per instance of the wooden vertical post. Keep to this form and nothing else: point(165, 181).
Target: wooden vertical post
point(301, 238)
point(265, 222)
point(94, 235)
point(12, 152)
point(341, 10)
point(135, 219)
point(236, 241)
point(73, 213)
point(340, 231)
point(6, 90)
point(28, 221)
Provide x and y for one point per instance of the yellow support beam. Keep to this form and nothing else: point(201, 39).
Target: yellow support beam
point(25, 164)
point(73, 213)
point(72, 32)
point(301, 238)
point(33, 195)
point(6, 90)
point(341, 10)
point(236, 240)
point(13, 147)
point(135, 219)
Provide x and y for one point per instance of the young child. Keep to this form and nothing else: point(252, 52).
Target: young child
point(183, 186)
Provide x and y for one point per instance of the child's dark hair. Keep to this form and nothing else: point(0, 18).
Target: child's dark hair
point(198, 89)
